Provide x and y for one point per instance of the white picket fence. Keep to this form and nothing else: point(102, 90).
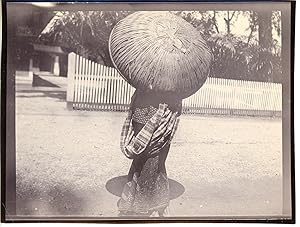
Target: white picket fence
point(93, 86)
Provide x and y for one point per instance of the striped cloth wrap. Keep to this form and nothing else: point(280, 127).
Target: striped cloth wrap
point(157, 132)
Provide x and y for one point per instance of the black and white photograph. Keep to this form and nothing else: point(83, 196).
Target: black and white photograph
point(147, 111)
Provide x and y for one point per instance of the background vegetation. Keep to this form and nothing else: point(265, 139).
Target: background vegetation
point(251, 54)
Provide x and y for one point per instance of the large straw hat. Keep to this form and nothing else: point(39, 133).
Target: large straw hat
point(160, 51)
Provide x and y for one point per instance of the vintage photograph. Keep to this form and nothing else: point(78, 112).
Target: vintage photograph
point(148, 111)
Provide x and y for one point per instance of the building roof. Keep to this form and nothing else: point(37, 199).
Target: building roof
point(49, 49)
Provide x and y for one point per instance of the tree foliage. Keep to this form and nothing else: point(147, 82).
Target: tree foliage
point(84, 32)
point(235, 56)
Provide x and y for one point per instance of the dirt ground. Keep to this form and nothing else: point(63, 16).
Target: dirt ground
point(69, 162)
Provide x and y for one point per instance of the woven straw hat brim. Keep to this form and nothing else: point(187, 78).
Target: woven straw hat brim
point(160, 51)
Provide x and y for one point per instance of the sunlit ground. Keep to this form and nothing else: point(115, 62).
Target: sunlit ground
point(227, 165)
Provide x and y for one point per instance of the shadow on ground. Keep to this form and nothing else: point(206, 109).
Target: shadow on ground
point(57, 200)
point(116, 185)
point(60, 95)
point(42, 88)
point(40, 82)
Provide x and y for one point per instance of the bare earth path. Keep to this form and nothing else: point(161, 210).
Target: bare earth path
point(227, 165)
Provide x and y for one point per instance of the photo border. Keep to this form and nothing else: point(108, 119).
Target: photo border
point(8, 123)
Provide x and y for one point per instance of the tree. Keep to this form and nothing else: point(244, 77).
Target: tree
point(235, 56)
point(203, 21)
point(84, 32)
point(264, 65)
point(253, 24)
point(265, 30)
point(214, 21)
point(228, 20)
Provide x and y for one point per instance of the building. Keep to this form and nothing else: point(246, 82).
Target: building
point(32, 57)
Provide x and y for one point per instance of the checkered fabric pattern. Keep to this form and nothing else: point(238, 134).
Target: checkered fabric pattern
point(156, 133)
point(142, 115)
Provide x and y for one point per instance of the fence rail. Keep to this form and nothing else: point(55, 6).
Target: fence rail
point(92, 86)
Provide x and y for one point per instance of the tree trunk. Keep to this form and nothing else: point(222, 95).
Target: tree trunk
point(265, 67)
point(215, 22)
point(228, 21)
point(265, 30)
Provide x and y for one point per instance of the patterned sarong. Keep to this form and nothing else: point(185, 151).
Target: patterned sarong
point(147, 189)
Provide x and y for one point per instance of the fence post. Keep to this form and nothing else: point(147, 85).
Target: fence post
point(71, 79)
